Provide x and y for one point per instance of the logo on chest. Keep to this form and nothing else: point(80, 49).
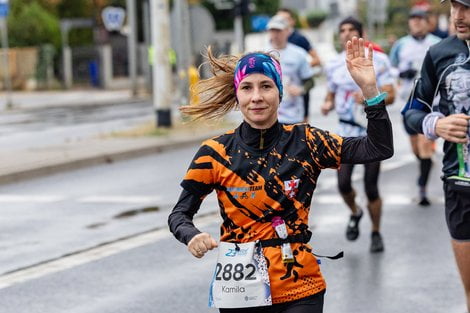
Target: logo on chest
point(291, 187)
point(244, 193)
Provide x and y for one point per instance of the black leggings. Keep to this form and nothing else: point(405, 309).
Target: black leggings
point(371, 178)
point(311, 304)
point(306, 104)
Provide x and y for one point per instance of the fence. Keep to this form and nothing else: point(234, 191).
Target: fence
point(22, 65)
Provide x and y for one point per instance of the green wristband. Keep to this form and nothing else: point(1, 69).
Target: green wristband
point(376, 100)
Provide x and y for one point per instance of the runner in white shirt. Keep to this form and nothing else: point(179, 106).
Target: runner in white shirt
point(407, 55)
point(344, 96)
point(297, 74)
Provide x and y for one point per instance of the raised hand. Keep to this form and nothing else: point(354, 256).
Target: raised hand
point(361, 67)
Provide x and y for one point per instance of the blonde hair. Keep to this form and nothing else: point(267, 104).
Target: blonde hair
point(216, 95)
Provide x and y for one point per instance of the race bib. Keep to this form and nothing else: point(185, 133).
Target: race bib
point(241, 277)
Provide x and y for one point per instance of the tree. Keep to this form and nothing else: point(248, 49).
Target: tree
point(31, 25)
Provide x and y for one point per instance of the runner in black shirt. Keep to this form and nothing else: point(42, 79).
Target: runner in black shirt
point(446, 71)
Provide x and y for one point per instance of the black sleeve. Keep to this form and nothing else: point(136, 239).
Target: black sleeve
point(377, 145)
point(414, 119)
point(180, 219)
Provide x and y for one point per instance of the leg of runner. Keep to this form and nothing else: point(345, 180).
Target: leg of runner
point(306, 99)
point(462, 257)
point(371, 177)
point(425, 152)
point(349, 196)
point(422, 153)
point(457, 209)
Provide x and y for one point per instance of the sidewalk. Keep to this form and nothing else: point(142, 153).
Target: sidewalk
point(16, 165)
point(30, 100)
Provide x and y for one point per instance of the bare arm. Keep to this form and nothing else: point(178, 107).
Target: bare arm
point(390, 90)
point(329, 103)
point(315, 58)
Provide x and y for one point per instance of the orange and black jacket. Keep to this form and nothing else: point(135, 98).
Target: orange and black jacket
point(259, 174)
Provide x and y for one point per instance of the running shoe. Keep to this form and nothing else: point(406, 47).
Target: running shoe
point(376, 244)
point(352, 231)
point(424, 201)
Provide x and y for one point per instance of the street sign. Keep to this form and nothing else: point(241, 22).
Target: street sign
point(4, 8)
point(113, 18)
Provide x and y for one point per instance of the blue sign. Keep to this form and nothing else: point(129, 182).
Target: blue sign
point(259, 22)
point(4, 8)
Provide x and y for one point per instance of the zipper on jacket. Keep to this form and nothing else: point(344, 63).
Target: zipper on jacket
point(261, 138)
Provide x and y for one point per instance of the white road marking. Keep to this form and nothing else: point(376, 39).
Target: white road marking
point(5, 198)
point(389, 199)
point(16, 198)
point(96, 253)
point(119, 199)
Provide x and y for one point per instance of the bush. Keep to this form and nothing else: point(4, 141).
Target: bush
point(32, 25)
point(315, 18)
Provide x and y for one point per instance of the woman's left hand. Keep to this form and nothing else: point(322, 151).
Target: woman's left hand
point(200, 244)
point(361, 67)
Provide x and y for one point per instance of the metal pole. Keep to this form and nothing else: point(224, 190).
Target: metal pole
point(147, 39)
point(66, 56)
point(183, 47)
point(238, 27)
point(132, 44)
point(161, 67)
point(6, 63)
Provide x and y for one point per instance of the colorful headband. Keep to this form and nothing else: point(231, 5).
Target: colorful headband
point(258, 63)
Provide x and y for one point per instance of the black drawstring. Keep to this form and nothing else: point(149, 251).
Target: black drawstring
point(333, 257)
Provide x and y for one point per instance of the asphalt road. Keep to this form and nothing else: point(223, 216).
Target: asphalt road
point(83, 241)
point(152, 272)
point(95, 239)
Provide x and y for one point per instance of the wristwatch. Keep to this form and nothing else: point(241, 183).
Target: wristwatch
point(376, 100)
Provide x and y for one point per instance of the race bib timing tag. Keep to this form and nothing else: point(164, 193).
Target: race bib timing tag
point(463, 155)
point(241, 277)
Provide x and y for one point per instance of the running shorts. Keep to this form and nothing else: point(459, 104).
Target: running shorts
point(457, 210)
point(310, 304)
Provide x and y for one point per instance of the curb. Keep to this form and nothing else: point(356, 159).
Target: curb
point(81, 105)
point(100, 158)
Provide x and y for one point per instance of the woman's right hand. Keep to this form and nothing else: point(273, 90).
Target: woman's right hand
point(361, 67)
point(200, 244)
